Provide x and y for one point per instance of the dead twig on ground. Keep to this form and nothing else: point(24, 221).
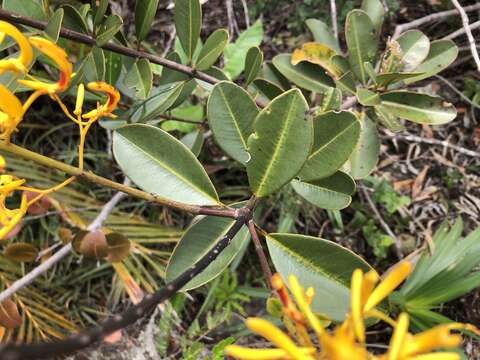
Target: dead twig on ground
point(468, 32)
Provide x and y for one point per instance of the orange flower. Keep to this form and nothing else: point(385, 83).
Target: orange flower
point(106, 109)
point(20, 64)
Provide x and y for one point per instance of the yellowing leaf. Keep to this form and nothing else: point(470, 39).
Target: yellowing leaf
point(316, 53)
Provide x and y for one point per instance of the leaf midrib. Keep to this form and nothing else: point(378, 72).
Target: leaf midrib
point(315, 153)
point(162, 165)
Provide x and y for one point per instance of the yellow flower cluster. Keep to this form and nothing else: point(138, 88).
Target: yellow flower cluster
point(347, 340)
point(12, 111)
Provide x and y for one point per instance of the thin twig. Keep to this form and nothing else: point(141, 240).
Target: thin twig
point(333, 13)
point(89, 40)
point(267, 273)
point(383, 224)
point(91, 177)
point(458, 92)
point(440, 16)
point(444, 143)
point(468, 31)
point(96, 334)
point(461, 31)
point(245, 12)
point(64, 251)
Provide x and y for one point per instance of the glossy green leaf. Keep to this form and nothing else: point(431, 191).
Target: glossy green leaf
point(322, 34)
point(280, 144)
point(231, 113)
point(318, 263)
point(308, 76)
point(162, 99)
point(335, 137)
point(367, 97)
point(235, 53)
point(108, 29)
point(73, 19)
point(420, 108)
point(389, 120)
point(361, 42)
point(267, 88)
point(113, 66)
point(365, 156)
point(188, 22)
point(145, 11)
point(212, 49)
point(376, 12)
point(333, 192)
point(160, 164)
point(52, 31)
point(440, 55)
point(140, 78)
point(99, 10)
point(414, 46)
point(253, 64)
point(197, 240)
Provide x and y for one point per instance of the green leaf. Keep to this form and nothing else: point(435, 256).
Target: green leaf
point(197, 240)
point(318, 263)
point(335, 137)
point(280, 144)
point(361, 42)
point(145, 11)
point(235, 53)
point(308, 76)
point(367, 97)
point(231, 113)
point(365, 156)
point(420, 108)
point(346, 83)
point(162, 99)
point(331, 100)
point(376, 12)
point(387, 79)
point(322, 34)
point(267, 88)
point(31, 8)
point(388, 119)
point(271, 73)
point(108, 29)
point(414, 46)
point(212, 49)
point(140, 78)
point(188, 22)
point(333, 192)
point(99, 11)
point(113, 66)
point(170, 75)
point(441, 54)
point(52, 31)
point(253, 63)
point(95, 65)
point(160, 164)
point(73, 19)
point(194, 141)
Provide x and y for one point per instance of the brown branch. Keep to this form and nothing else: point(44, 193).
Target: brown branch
point(267, 273)
point(131, 315)
point(89, 40)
